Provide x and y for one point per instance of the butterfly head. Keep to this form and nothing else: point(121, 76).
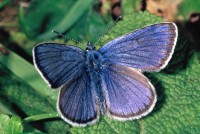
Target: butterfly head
point(94, 60)
point(90, 46)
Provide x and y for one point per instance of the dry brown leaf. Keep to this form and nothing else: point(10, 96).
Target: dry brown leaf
point(165, 8)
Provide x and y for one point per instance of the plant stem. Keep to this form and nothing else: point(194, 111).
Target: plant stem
point(41, 117)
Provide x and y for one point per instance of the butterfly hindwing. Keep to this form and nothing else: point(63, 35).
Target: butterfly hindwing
point(129, 94)
point(148, 49)
point(58, 63)
point(76, 103)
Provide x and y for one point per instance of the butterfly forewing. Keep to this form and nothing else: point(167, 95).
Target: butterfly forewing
point(129, 94)
point(148, 49)
point(57, 63)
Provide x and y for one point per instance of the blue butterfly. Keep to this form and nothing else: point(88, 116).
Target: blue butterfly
point(109, 80)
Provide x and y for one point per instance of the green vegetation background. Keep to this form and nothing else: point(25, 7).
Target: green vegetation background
point(25, 98)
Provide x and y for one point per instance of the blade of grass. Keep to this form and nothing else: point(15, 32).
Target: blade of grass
point(73, 15)
point(22, 21)
point(4, 109)
point(28, 73)
point(41, 117)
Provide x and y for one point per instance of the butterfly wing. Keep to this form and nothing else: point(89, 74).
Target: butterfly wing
point(57, 63)
point(128, 93)
point(65, 65)
point(76, 103)
point(147, 49)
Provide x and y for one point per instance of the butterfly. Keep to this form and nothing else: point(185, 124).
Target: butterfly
point(109, 80)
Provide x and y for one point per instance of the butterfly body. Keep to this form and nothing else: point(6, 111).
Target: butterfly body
point(109, 80)
point(95, 63)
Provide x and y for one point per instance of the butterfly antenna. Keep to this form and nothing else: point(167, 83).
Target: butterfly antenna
point(118, 18)
point(66, 37)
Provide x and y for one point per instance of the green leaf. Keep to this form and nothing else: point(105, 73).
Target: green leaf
point(11, 125)
point(179, 101)
point(108, 126)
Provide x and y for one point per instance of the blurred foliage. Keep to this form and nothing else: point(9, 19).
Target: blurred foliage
point(24, 94)
point(129, 6)
point(4, 3)
point(62, 16)
point(188, 7)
